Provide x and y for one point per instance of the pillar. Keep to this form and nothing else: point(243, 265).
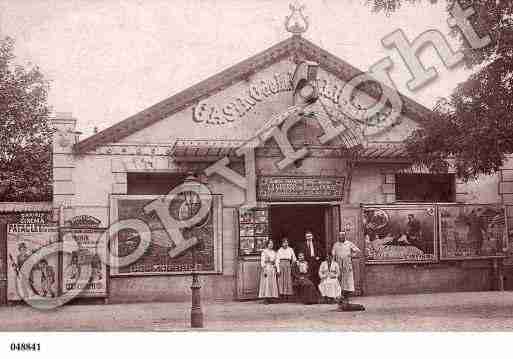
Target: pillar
point(63, 139)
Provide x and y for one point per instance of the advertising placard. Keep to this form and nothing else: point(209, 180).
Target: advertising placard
point(23, 240)
point(86, 256)
point(472, 231)
point(399, 233)
point(161, 257)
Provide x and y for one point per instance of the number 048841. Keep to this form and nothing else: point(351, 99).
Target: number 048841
point(25, 347)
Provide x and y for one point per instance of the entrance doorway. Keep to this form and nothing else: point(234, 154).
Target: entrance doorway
point(292, 221)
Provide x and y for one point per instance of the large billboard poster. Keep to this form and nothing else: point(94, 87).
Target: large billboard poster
point(23, 240)
point(396, 234)
point(159, 258)
point(85, 259)
point(472, 231)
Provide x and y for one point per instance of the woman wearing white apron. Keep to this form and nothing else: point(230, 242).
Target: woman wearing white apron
point(342, 252)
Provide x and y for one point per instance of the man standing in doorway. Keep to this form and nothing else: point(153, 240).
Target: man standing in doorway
point(313, 255)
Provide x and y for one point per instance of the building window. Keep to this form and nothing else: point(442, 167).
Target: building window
point(153, 183)
point(425, 187)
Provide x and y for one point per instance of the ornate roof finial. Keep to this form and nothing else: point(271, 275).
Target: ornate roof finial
point(296, 23)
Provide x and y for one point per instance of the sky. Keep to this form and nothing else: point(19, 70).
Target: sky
point(109, 59)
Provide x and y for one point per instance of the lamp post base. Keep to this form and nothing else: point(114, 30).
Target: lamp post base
point(196, 313)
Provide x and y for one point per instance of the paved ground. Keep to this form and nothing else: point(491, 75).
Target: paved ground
point(483, 311)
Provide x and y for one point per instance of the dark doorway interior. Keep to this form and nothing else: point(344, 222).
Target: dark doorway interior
point(292, 221)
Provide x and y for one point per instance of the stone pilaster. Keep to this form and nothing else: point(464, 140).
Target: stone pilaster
point(64, 137)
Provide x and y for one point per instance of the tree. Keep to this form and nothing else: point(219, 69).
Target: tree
point(25, 136)
point(476, 130)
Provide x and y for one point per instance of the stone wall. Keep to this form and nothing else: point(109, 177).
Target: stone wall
point(428, 278)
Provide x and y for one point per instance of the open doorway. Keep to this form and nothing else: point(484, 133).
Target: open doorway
point(292, 221)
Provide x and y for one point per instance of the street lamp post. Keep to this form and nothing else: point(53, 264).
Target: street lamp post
point(196, 313)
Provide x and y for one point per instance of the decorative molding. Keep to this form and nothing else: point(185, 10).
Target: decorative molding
point(139, 149)
point(127, 164)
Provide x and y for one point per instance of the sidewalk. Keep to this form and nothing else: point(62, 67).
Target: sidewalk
point(482, 311)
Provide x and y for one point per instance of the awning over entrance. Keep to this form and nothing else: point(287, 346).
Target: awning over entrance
point(197, 150)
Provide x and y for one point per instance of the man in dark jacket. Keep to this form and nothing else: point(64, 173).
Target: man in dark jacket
point(314, 253)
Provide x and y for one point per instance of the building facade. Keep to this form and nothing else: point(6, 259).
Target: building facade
point(273, 140)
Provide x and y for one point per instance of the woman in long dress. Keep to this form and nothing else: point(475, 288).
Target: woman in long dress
point(342, 252)
point(268, 289)
point(306, 291)
point(286, 259)
point(329, 272)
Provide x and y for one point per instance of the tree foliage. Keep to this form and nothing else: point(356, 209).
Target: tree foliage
point(25, 136)
point(475, 131)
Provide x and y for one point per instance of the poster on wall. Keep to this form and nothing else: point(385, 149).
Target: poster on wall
point(24, 239)
point(85, 259)
point(253, 230)
point(399, 234)
point(8, 217)
point(350, 224)
point(161, 257)
point(472, 231)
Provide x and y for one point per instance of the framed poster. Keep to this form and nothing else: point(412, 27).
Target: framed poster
point(399, 233)
point(204, 257)
point(23, 240)
point(253, 230)
point(73, 264)
point(472, 231)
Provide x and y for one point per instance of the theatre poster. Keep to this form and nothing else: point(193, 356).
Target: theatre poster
point(204, 257)
point(399, 233)
point(25, 238)
point(472, 231)
point(83, 269)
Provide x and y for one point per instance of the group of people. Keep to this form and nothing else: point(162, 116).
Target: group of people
point(311, 276)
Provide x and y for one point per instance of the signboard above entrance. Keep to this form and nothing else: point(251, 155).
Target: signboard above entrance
point(288, 188)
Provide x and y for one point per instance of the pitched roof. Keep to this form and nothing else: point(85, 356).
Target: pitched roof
point(295, 46)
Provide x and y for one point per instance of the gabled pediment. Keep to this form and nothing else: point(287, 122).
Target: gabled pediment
point(238, 95)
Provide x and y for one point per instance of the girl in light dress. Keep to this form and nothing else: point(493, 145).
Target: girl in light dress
point(329, 271)
point(270, 269)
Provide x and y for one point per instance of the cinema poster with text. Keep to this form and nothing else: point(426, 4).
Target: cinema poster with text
point(25, 238)
point(83, 269)
point(203, 257)
point(472, 231)
point(398, 234)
